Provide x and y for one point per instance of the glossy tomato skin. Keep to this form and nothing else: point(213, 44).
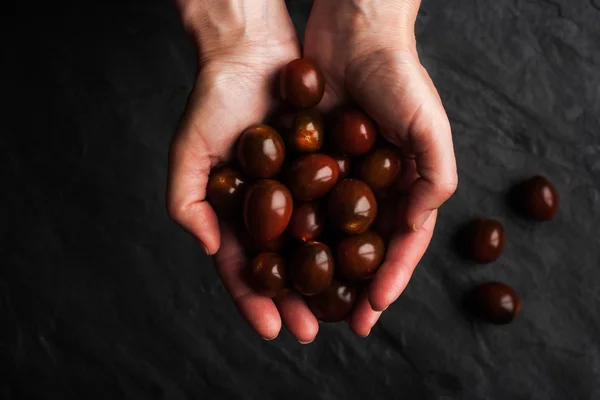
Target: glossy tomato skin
point(380, 169)
point(308, 221)
point(484, 240)
point(495, 302)
point(268, 208)
point(335, 303)
point(225, 190)
point(268, 275)
point(302, 131)
point(352, 206)
point(353, 132)
point(301, 83)
point(537, 199)
point(358, 257)
point(260, 152)
point(312, 176)
point(344, 164)
point(312, 268)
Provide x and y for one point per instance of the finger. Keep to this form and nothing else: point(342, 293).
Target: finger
point(205, 136)
point(407, 177)
point(431, 139)
point(405, 251)
point(363, 317)
point(297, 317)
point(188, 175)
point(259, 311)
point(190, 161)
point(394, 89)
point(329, 101)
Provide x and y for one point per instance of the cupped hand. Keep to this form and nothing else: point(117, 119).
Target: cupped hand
point(241, 49)
point(368, 55)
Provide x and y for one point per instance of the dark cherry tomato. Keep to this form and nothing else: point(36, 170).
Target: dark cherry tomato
point(537, 198)
point(358, 257)
point(301, 130)
point(353, 132)
point(311, 176)
point(301, 83)
point(260, 151)
point(312, 268)
point(484, 240)
point(335, 303)
point(343, 163)
point(308, 221)
point(352, 206)
point(495, 302)
point(268, 274)
point(380, 169)
point(268, 208)
point(225, 190)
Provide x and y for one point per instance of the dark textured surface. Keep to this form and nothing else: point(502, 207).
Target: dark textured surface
point(101, 296)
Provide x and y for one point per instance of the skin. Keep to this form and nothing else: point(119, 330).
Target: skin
point(367, 53)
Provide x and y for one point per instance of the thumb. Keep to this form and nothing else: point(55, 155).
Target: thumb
point(398, 93)
point(189, 167)
point(206, 133)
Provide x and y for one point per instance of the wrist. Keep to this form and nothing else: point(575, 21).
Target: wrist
point(372, 19)
point(219, 25)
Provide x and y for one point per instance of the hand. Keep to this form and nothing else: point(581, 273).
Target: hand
point(242, 46)
point(368, 54)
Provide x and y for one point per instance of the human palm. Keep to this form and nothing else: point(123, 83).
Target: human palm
point(370, 59)
point(365, 57)
point(232, 92)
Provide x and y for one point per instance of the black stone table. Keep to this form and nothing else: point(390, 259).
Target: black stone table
point(103, 297)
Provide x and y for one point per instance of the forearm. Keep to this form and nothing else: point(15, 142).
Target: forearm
point(222, 24)
point(371, 16)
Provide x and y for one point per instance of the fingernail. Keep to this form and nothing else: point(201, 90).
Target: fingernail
point(205, 250)
point(421, 219)
point(376, 309)
point(301, 342)
point(368, 333)
point(268, 340)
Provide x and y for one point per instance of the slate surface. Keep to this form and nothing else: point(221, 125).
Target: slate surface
point(102, 297)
